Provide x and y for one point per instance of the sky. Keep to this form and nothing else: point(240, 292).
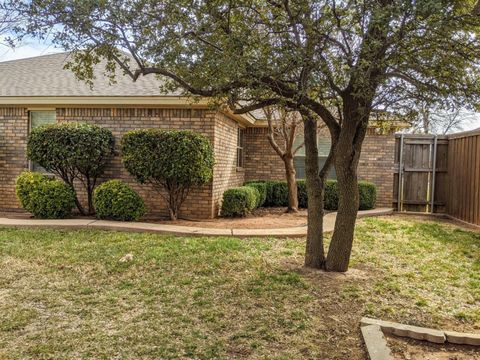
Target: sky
point(26, 50)
point(36, 48)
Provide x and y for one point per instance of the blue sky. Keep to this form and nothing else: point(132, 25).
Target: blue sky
point(28, 49)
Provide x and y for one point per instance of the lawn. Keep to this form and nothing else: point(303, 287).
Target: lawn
point(65, 294)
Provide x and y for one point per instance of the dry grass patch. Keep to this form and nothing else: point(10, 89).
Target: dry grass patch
point(65, 294)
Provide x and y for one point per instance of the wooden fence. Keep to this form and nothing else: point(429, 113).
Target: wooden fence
point(463, 200)
point(439, 174)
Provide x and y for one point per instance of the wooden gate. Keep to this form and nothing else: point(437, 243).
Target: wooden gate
point(420, 173)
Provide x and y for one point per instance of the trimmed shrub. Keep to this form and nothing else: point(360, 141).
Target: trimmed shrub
point(239, 201)
point(302, 194)
point(262, 192)
point(72, 151)
point(330, 196)
point(26, 182)
point(368, 195)
point(279, 193)
point(115, 200)
point(43, 197)
point(174, 161)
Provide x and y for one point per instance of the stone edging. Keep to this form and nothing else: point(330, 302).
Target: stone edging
point(421, 333)
point(377, 348)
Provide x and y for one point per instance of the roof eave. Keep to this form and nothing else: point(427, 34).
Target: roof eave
point(84, 101)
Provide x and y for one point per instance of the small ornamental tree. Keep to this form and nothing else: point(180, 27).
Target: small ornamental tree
point(172, 161)
point(73, 151)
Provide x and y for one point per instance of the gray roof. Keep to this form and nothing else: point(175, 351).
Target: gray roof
point(45, 76)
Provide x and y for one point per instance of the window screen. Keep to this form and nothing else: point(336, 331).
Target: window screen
point(323, 144)
point(240, 145)
point(39, 118)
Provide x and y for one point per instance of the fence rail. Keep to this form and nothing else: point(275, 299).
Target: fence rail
point(439, 174)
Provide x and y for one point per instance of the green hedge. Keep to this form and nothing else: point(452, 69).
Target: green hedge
point(239, 201)
point(277, 194)
point(43, 197)
point(115, 200)
point(330, 197)
point(262, 192)
point(368, 195)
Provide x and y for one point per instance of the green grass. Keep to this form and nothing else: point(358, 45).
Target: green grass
point(65, 294)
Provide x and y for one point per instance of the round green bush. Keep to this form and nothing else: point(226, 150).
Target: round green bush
point(239, 201)
point(262, 192)
point(368, 195)
point(115, 200)
point(43, 197)
point(26, 182)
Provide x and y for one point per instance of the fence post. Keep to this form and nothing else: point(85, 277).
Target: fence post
point(434, 169)
point(400, 176)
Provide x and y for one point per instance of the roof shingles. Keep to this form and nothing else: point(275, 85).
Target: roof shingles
point(45, 76)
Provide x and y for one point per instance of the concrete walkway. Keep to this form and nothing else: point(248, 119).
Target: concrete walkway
point(298, 231)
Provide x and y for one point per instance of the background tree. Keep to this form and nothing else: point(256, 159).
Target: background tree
point(428, 120)
point(283, 125)
point(333, 60)
point(172, 161)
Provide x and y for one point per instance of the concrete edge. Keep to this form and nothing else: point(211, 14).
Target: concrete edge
point(375, 342)
point(422, 333)
point(291, 232)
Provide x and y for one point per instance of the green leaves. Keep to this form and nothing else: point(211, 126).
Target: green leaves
point(115, 200)
point(72, 151)
point(174, 161)
point(43, 197)
point(156, 156)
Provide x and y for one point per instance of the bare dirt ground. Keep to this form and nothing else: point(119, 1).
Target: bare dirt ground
point(409, 349)
point(263, 218)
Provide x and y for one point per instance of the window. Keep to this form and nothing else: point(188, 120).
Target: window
point(323, 144)
point(39, 118)
point(240, 144)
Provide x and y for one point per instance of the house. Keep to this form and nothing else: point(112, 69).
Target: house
point(39, 91)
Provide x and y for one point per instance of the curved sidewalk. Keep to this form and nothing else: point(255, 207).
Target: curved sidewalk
point(297, 231)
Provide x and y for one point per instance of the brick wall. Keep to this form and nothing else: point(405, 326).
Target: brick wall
point(13, 142)
point(376, 162)
point(227, 175)
point(201, 203)
point(261, 161)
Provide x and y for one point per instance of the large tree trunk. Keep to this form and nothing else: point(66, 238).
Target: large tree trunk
point(314, 252)
point(346, 163)
point(291, 184)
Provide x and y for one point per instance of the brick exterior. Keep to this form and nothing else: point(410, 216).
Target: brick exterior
point(261, 161)
point(376, 161)
point(201, 203)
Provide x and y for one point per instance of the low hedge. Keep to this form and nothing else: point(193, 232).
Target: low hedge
point(277, 194)
point(45, 198)
point(368, 195)
point(115, 200)
point(239, 201)
point(262, 192)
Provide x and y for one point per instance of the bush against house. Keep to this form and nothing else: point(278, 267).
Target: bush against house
point(172, 161)
point(45, 198)
point(73, 151)
point(115, 200)
point(277, 193)
point(240, 201)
